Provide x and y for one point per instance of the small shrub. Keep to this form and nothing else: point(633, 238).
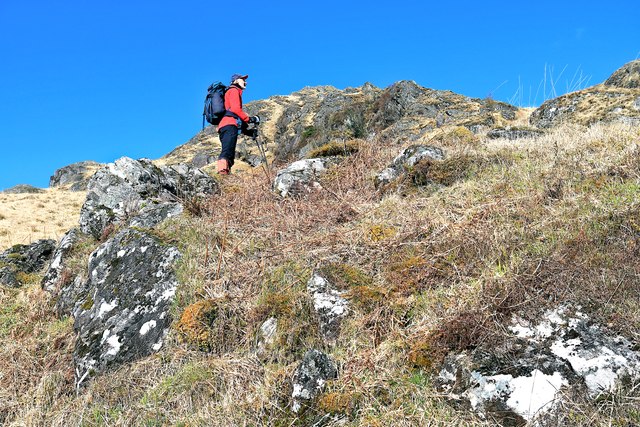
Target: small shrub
point(463, 135)
point(195, 205)
point(345, 276)
point(27, 278)
point(424, 354)
point(284, 296)
point(297, 328)
point(215, 325)
point(108, 231)
point(309, 132)
point(276, 305)
point(458, 135)
point(339, 403)
point(379, 232)
point(442, 172)
point(366, 298)
point(408, 275)
point(335, 149)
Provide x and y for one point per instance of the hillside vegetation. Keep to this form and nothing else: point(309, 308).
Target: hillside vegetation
point(440, 262)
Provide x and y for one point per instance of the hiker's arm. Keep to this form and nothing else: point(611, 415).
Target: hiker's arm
point(236, 107)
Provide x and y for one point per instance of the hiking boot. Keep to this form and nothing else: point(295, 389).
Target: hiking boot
point(223, 166)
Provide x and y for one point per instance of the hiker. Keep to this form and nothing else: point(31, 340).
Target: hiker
point(234, 122)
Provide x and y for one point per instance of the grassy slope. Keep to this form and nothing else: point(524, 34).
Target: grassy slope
point(25, 218)
point(515, 227)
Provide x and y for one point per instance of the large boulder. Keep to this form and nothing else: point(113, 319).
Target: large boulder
point(24, 259)
point(565, 356)
point(408, 158)
point(74, 177)
point(122, 311)
point(310, 377)
point(117, 192)
point(299, 177)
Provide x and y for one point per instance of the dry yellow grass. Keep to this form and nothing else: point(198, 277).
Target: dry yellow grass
point(25, 218)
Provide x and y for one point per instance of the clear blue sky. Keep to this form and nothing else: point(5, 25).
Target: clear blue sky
point(84, 80)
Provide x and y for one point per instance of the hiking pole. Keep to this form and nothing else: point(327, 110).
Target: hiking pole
point(260, 147)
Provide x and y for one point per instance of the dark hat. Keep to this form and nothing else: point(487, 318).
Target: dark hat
point(239, 76)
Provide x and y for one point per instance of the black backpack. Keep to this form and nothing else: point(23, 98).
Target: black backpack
point(214, 109)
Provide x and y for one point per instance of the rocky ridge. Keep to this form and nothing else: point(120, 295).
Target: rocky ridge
point(617, 99)
point(295, 124)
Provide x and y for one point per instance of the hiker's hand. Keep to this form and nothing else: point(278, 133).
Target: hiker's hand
point(251, 133)
point(254, 119)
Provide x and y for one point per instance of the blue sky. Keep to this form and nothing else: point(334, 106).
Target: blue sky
point(82, 80)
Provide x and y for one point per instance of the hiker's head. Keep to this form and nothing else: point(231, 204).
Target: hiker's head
point(240, 80)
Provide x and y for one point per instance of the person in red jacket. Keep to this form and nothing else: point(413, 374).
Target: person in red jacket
point(234, 121)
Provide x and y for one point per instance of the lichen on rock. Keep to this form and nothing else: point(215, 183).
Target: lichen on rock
point(310, 377)
point(131, 285)
point(565, 355)
point(118, 191)
point(329, 304)
point(300, 176)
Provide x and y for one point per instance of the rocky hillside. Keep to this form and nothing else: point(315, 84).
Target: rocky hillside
point(296, 124)
point(409, 257)
point(614, 100)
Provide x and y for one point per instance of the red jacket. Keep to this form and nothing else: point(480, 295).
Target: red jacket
point(233, 103)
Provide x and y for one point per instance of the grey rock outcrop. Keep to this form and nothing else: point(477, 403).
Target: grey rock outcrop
point(23, 188)
point(53, 278)
point(152, 215)
point(121, 305)
point(513, 133)
point(122, 313)
point(252, 159)
point(329, 304)
point(203, 158)
point(117, 192)
point(71, 296)
point(554, 111)
point(408, 158)
point(74, 177)
point(8, 277)
point(310, 377)
point(626, 77)
point(300, 176)
point(25, 259)
point(612, 101)
point(566, 355)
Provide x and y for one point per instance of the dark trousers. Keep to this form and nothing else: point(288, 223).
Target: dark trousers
point(228, 138)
